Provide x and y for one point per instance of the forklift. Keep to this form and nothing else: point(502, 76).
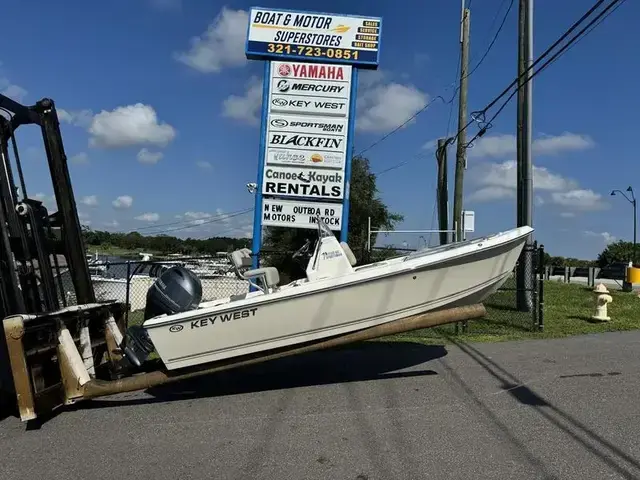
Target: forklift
point(35, 245)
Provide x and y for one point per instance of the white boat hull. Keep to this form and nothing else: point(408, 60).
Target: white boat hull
point(368, 297)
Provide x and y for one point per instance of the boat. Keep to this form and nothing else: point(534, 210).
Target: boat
point(335, 297)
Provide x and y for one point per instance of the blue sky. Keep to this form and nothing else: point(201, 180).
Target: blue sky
point(159, 113)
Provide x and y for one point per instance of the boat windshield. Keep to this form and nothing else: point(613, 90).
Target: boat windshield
point(323, 229)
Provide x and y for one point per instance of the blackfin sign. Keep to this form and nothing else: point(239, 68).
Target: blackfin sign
point(303, 182)
point(295, 214)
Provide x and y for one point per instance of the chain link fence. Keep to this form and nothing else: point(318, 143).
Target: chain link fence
point(518, 304)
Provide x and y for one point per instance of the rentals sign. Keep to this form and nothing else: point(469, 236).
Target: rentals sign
point(303, 182)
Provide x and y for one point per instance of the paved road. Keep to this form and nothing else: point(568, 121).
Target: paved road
point(565, 409)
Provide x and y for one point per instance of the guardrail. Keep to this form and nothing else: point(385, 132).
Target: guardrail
point(616, 272)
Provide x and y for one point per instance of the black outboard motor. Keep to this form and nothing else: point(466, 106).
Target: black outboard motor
point(177, 290)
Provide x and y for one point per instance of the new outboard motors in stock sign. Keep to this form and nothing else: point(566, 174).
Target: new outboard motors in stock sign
point(308, 113)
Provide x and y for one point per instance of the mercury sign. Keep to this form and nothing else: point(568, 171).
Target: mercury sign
point(309, 36)
point(294, 214)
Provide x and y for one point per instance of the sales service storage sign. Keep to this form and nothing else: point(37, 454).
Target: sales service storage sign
point(303, 182)
point(323, 37)
point(293, 214)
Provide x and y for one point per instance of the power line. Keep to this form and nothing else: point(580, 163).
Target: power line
point(495, 37)
point(206, 222)
point(572, 42)
point(179, 222)
point(387, 135)
point(591, 26)
point(455, 92)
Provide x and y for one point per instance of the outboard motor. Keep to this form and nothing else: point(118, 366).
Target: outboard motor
point(176, 290)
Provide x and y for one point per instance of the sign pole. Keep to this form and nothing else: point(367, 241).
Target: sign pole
point(257, 213)
point(307, 122)
point(344, 224)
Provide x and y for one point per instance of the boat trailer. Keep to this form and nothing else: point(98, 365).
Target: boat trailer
point(56, 353)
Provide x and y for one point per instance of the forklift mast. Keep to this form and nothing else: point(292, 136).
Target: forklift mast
point(33, 240)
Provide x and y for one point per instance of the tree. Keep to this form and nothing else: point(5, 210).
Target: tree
point(619, 251)
point(279, 243)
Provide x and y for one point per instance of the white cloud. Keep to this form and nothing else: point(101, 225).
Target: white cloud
point(504, 175)
point(222, 217)
point(78, 118)
point(197, 215)
point(15, 92)
point(89, 201)
point(490, 194)
point(497, 181)
point(204, 165)
point(79, 158)
point(129, 125)
point(605, 236)
point(195, 218)
point(123, 202)
point(112, 224)
point(567, 214)
point(503, 145)
point(148, 217)
point(83, 216)
point(382, 106)
point(496, 146)
point(222, 45)
point(151, 158)
point(580, 199)
point(246, 107)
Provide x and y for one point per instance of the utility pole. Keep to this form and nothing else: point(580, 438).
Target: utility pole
point(442, 191)
point(524, 274)
point(462, 119)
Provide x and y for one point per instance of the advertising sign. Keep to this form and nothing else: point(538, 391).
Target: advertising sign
point(320, 106)
point(312, 71)
point(307, 115)
point(295, 214)
point(310, 125)
point(310, 36)
point(312, 89)
point(305, 158)
point(303, 182)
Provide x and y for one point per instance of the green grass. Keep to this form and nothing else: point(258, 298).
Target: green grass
point(567, 311)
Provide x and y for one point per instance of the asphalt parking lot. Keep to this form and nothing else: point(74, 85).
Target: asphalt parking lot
point(565, 409)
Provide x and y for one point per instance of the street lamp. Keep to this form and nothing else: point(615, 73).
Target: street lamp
point(633, 202)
